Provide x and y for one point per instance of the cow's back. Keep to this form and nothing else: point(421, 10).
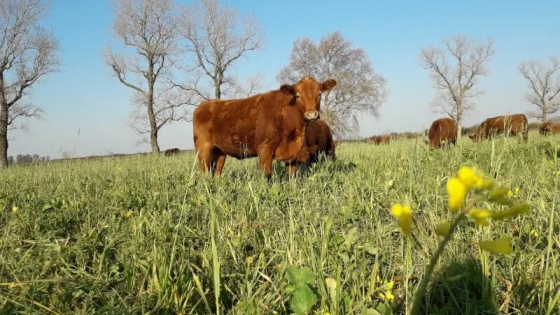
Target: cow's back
point(230, 125)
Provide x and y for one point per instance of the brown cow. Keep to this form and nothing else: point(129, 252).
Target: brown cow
point(319, 139)
point(548, 128)
point(442, 129)
point(169, 152)
point(380, 139)
point(510, 124)
point(270, 126)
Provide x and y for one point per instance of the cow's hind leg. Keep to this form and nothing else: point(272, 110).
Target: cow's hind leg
point(204, 158)
point(218, 161)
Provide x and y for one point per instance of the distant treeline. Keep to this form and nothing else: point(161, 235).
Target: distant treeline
point(24, 159)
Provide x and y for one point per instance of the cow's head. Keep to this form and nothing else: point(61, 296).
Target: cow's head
point(306, 95)
point(475, 137)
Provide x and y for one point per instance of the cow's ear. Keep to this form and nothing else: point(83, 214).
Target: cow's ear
point(328, 85)
point(287, 89)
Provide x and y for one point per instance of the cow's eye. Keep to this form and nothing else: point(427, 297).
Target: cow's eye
point(297, 95)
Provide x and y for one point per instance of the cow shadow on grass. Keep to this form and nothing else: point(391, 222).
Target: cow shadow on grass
point(460, 287)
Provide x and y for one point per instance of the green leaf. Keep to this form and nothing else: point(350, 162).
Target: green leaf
point(297, 276)
point(303, 300)
point(511, 212)
point(370, 311)
point(336, 240)
point(499, 246)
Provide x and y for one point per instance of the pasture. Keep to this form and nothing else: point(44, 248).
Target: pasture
point(152, 235)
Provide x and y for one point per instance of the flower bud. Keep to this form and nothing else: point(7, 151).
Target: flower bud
point(442, 229)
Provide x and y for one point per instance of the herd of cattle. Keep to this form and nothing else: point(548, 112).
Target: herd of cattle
point(285, 125)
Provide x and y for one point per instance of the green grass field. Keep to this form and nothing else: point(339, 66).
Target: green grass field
point(152, 235)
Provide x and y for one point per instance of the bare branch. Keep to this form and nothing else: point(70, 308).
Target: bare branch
point(544, 86)
point(454, 78)
point(217, 41)
point(28, 52)
point(360, 89)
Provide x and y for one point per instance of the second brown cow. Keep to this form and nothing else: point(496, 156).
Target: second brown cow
point(442, 129)
point(549, 128)
point(380, 139)
point(319, 140)
point(511, 125)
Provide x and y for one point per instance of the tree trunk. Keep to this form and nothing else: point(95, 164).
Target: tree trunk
point(3, 125)
point(545, 112)
point(153, 124)
point(217, 92)
point(3, 133)
point(459, 119)
point(218, 81)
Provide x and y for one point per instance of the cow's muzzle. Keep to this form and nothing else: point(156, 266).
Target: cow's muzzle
point(311, 115)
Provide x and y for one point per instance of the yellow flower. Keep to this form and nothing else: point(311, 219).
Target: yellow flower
point(499, 246)
point(442, 229)
point(127, 214)
point(480, 216)
point(388, 296)
point(510, 193)
point(457, 191)
point(470, 176)
point(534, 233)
point(390, 285)
point(15, 209)
point(404, 215)
point(249, 260)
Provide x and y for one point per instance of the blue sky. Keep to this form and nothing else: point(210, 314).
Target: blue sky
point(87, 110)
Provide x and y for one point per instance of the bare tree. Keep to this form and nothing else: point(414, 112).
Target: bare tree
point(360, 88)
point(544, 86)
point(216, 39)
point(28, 52)
point(454, 72)
point(149, 28)
point(252, 86)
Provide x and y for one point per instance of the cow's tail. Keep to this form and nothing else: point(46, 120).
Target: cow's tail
point(332, 149)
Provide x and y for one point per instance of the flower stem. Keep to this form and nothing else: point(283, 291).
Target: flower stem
point(431, 266)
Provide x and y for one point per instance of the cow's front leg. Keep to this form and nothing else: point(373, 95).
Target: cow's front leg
point(265, 161)
point(291, 169)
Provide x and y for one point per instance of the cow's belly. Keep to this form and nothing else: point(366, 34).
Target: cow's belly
point(238, 146)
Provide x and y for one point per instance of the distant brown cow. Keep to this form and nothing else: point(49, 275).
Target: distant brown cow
point(270, 126)
point(548, 128)
point(380, 139)
point(319, 140)
point(169, 152)
point(442, 129)
point(510, 124)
